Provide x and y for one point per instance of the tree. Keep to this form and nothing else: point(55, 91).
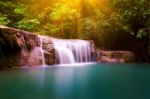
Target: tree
point(136, 15)
point(10, 13)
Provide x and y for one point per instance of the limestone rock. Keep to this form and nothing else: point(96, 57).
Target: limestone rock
point(115, 56)
point(49, 50)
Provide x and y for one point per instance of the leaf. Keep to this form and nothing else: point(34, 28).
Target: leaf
point(141, 33)
point(20, 9)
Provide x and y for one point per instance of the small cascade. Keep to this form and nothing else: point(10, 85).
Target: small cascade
point(72, 51)
point(42, 51)
point(65, 55)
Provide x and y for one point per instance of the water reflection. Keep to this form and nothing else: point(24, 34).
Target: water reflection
point(68, 79)
point(63, 79)
point(37, 75)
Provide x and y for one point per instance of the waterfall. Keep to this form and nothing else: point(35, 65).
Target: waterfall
point(72, 51)
point(42, 51)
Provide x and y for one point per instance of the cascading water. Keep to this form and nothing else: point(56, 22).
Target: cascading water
point(42, 51)
point(72, 51)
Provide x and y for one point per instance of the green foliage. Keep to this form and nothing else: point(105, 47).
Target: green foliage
point(11, 13)
point(128, 17)
point(141, 33)
point(62, 11)
point(136, 13)
point(21, 9)
point(28, 25)
point(92, 26)
point(3, 19)
point(59, 21)
point(61, 18)
point(64, 15)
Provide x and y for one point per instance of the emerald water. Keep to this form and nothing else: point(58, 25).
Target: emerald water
point(93, 81)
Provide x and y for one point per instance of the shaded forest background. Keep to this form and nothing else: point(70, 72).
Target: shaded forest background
point(111, 24)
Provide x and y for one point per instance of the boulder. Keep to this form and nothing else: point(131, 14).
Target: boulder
point(115, 56)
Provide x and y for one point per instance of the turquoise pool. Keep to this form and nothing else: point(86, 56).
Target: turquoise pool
point(93, 81)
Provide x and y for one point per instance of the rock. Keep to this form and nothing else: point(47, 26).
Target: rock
point(24, 57)
point(105, 59)
point(94, 55)
point(115, 56)
point(49, 50)
point(34, 58)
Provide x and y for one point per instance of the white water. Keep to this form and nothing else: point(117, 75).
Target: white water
point(72, 51)
point(75, 64)
point(42, 51)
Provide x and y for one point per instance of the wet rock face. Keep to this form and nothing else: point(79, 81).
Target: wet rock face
point(32, 56)
point(30, 52)
point(49, 51)
point(29, 47)
point(94, 55)
point(26, 39)
point(115, 56)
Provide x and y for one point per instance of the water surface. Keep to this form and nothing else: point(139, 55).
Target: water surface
point(93, 81)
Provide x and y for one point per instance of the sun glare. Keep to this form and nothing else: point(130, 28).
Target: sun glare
point(103, 5)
